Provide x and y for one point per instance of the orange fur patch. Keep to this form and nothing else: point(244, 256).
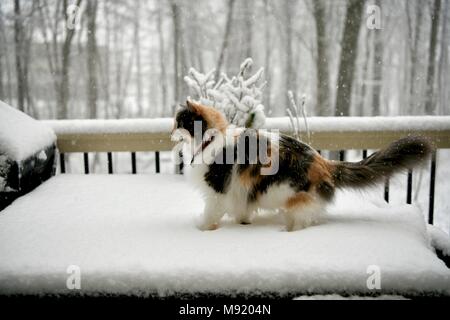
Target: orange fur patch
point(319, 170)
point(301, 198)
point(214, 118)
point(247, 179)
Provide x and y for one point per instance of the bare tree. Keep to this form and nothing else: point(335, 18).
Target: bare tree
point(248, 10)
point(430, 105)
point(49, 27)
point(267, 55)
point(414, 31)
point(2, 55)
point(63, 97)
point(7, 65)
point(105, 65)
point(178, 52)
point(137, 45)
point(443, 60)
point(92, 57)
point(290, 74)
point(377, 67)
point(226, 38)
point(162, 62)
point(18, 45)
point(322, 63)
point(349, 51)
point(2, 90)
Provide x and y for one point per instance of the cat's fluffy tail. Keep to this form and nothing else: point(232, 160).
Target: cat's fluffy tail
point(399, 155)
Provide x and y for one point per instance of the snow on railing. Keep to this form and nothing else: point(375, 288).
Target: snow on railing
point(327, 133)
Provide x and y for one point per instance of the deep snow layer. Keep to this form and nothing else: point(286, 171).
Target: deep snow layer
point(20, 135)
point(136, 234)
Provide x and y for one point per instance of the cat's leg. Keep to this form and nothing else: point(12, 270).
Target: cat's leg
point(289, 219)
point(303, 211)
point(243, 216)
point(213, 212)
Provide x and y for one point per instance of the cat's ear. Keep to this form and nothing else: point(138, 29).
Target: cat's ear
point(192, 106)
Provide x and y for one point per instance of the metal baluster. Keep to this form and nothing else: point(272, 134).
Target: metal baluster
point(386, 190)
point(86, 162)
point(432, 186)
point(157, 168)
point(133, 162)
point(110, 163)
point(409, 187)
point(62, 162)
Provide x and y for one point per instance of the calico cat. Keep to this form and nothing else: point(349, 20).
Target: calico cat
point(236, 178)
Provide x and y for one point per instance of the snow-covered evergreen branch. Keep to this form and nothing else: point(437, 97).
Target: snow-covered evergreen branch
point(239, 97)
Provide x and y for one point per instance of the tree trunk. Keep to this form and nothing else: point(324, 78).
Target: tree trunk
point(323, 76)
point(377, 68)
point(226, 38)
point(443, 62)
point(18, 43)
point(162, 64)
point(430, 105)
point(91, 55)
point(118, 61)
point(107, 62)
point(137, 44)
point(2, 91)
point(414, 48)
point(366, 74)
point(289, 72)
point(349, 52)
point(267, 66)
point(249, 7)
point(7, 65)
point(176, 51)
point(65, 66)
point(2, 54)
point(27, 53)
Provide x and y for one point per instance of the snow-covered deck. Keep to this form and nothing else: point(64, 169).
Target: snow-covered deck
point(136, 234)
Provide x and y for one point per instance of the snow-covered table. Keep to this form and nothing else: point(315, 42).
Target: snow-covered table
point(136, 234)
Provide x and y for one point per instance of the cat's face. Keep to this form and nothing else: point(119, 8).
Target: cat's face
point(196, 118)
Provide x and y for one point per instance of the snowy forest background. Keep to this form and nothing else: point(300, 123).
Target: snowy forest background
point(127, 58)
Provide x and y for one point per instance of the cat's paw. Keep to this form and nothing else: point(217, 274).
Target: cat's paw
point(205, 224)
point(208, 226)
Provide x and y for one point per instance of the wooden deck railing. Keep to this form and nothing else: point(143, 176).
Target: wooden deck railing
point(331, 133)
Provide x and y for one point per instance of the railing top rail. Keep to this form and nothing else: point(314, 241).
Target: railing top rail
point(327, 133)
point(96, 126)
point(357, 124)
point(323, 124)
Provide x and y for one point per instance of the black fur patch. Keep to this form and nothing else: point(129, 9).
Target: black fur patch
point(219, 173)
point(294, 161)
point(325, 190)
point(185, 119)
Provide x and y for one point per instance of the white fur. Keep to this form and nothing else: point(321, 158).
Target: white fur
point(234, 202)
